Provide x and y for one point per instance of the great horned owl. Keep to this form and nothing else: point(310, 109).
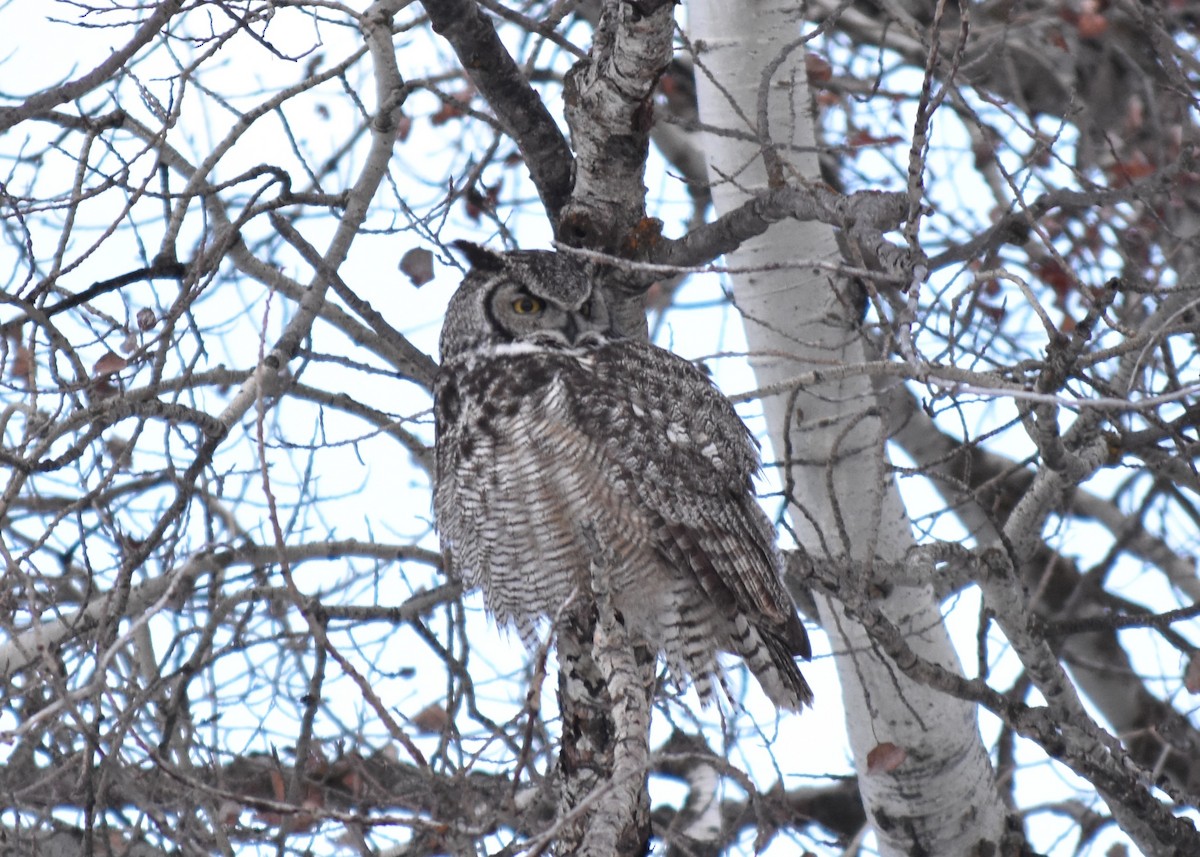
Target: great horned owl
point(558, 429)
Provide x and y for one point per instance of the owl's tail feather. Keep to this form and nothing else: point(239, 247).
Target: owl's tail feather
point(783, 659)
point(771, 657)
point(797, 638)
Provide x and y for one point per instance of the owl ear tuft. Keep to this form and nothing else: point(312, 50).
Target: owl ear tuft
point(479, 257)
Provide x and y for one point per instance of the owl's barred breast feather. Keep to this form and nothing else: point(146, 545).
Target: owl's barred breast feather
point(538, 439)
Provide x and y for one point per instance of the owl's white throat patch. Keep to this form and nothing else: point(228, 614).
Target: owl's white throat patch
point(525, 346)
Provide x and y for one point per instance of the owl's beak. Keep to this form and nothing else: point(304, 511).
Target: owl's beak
point(571, 327)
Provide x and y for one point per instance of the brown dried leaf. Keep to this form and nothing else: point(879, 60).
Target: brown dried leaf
point(417, 263)
point(431, 719)
point(23, 365)
point(103, 389)
point(817, 68)
point(473, 203)
point(477, 203)
point(862, 138)
point(346, 773)
point(1131, 168)
point(885, 758)
point(403, 127)
point(454, 107)
point(1191, 676)
point(120, 449)
point(995, 313)
point(109, 364)
point(278, 786)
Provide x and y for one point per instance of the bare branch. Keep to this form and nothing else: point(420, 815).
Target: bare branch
point(518, 107)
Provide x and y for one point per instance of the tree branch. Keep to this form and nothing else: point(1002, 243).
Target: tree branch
point(518, 107)
point(867, 214)
point(101, 75)
point(1126, 788)
point(609, 110)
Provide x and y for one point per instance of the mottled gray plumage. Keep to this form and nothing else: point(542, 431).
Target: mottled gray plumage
point(557, 428)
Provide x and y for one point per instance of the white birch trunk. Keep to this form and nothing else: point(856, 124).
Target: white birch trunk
point(942, 800)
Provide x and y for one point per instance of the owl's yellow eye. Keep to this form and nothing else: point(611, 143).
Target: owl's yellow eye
point(526, 305)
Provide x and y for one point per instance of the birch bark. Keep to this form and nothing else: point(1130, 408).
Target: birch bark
point(942, 799)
